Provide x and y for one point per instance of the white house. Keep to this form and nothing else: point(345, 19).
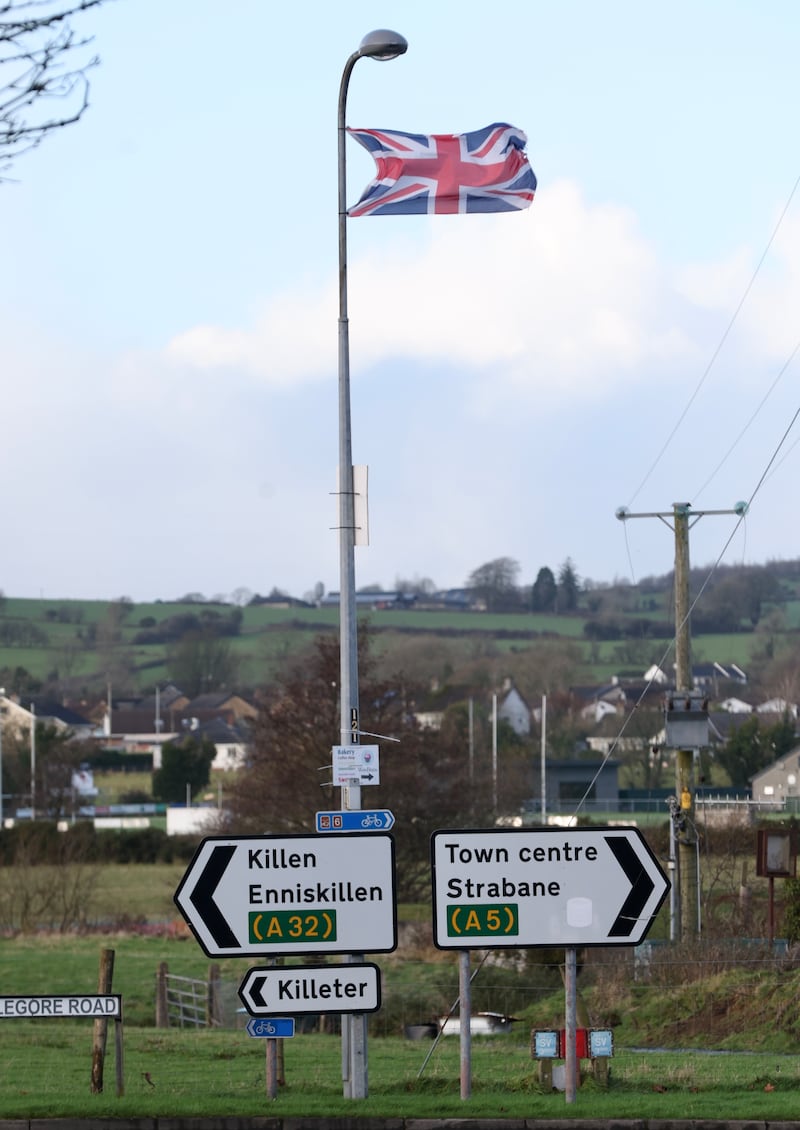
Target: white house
point(736, 706)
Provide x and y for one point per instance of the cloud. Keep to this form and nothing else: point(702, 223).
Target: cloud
point(550, 300)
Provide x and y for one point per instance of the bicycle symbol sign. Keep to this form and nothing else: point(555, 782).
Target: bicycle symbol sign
point(273, 1028)
point(360, 820)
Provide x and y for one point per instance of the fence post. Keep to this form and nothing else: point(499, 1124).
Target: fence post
point(162, 1012)
point(104, 982)
point(213, 998)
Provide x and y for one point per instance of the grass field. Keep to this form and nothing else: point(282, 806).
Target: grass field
point(47, 1064)
point(270, 637)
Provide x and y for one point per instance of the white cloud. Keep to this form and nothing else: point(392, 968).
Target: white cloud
point(549, 300)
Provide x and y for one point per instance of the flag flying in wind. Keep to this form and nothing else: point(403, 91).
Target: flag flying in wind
point(440, 174)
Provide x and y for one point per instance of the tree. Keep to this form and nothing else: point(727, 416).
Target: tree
point(496, 584)
point(185, 765)
point(58, 755)
point(37, 50)
point(544, 591)
point(288, 775)
point(202, 662)
point(568, 587)
point(421, 586)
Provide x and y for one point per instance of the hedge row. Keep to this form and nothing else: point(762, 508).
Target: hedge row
point(41, 842)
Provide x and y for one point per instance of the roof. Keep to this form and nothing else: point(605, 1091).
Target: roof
point(50, 708)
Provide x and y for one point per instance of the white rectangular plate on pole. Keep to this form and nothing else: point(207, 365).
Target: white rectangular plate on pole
point(291, 894)
point(542, 887)
point(356, 765)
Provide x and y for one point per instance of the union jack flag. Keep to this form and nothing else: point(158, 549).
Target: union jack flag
point(439, 174)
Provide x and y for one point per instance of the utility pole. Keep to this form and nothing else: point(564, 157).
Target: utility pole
point(686, 717)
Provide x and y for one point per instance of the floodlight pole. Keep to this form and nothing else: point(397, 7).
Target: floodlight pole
point(682, 811)
point(382, 45)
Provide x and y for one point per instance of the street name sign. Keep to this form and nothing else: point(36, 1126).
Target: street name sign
point(291, 894)
point(278, 1028)
point(77, 1005)
point(356, 764)
point(311, 988)
point(358, 820)
point(544, 887)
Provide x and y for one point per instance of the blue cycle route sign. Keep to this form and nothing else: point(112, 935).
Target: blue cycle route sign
point(361, 820)
point(271, 1028)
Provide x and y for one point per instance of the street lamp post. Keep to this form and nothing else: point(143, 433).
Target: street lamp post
point(381, 45)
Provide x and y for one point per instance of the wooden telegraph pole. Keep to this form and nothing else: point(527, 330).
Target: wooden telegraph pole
point(686, 717)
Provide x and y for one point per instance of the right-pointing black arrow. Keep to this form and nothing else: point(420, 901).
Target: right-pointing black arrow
point(642, 886)
point(202, 897)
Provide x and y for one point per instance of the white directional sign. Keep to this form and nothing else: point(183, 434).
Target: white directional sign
point(544, 887)
point(356, 764)
point(311, 988)
point(108, 1005)
point(291, 894)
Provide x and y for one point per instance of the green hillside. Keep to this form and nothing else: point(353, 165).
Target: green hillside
point(75, 647)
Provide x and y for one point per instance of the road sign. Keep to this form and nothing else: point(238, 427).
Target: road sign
point(356, 764)
point(311, 988)
point(278, 1028)
point(291, 894)
point(363, 820)
point(544, 887)
point(21, 1007)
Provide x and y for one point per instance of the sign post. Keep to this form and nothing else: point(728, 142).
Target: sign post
point(568, 887)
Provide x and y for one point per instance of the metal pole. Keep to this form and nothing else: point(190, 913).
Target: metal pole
point(494, 754)
point(543, 783)
point(33, 761)
point(570, 1033)
point(471, 718)
point(379, 45)
point(354, 1035)
point(465, 1021)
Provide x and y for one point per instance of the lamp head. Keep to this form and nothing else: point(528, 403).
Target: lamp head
point(383, 44)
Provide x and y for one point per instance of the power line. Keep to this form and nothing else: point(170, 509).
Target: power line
point(718, 349)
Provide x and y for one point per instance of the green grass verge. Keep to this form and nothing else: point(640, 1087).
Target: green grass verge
point(47, 1068)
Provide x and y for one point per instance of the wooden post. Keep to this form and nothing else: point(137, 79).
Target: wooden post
point(162, 1011)
point(271, 1066)
point(104, 982)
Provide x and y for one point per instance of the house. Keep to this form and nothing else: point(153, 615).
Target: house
point(21, 711)
point(514, 710)
point(778, 706)
point(591, 779)
point(708, 676)
point(779, 782)
point(736, 706)
point(705, 676)
point(606, 735)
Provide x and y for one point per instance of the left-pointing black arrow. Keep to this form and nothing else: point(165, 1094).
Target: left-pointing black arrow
point(202, 897)
point(257, 990)
point(642, 886)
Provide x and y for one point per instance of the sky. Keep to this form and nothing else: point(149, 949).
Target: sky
point(168, 311)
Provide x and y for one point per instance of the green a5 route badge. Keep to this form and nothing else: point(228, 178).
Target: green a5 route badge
point(471, 920)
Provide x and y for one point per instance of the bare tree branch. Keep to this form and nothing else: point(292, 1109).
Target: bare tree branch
point(39, 61)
